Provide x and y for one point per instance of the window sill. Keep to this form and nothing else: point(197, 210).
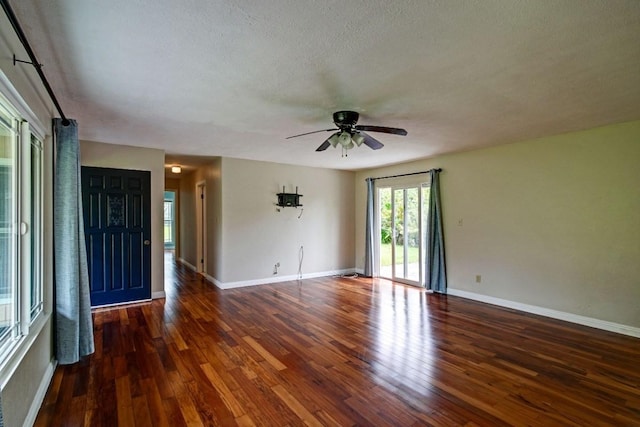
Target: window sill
point(20, 348)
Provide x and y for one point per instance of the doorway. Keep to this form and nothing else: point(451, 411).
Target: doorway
point(402, 220)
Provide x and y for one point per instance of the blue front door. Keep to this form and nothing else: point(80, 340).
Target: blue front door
point(117, 226)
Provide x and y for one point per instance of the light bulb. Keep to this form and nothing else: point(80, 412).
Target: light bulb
point(358, 139)
point(334, 139)
point(345, 140)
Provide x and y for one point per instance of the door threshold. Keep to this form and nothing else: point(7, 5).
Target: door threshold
point(118, 304)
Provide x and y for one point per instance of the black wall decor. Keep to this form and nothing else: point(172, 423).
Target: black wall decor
point(289, 199)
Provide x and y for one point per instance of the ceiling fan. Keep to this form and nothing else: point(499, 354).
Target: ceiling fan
point(348, 132)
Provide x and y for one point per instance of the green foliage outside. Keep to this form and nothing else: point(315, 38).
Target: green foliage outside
point(168, 235)
point(411, 230)
point(385, 255)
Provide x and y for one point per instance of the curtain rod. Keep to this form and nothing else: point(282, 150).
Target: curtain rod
point(32, 56)
point(406, 174)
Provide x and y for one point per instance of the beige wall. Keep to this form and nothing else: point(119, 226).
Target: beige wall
point(187, 218)
point(20, 393)
point(135, 158)
point(247, 235)
point(255, 236)
point(215, 252)
point(552, 222)
point(210, 175)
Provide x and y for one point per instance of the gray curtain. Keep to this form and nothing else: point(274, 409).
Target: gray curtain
point(369, 246)
point(74, 327)
point(436, 275)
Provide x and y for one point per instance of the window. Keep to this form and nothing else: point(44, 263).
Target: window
point(8, 219)
point(21, 230)
point(169, 220)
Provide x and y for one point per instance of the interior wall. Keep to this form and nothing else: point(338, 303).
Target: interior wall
point(187, 219)
point(551, 222)
point(135, 158)
point(214, 218)
point(210, 174)
point(256, 234)
point(20, 392)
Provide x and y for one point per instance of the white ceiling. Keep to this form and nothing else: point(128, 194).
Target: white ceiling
point(234, 78)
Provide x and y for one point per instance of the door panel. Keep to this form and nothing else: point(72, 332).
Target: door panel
point(398, 222)
point(117, 218)
point(412, 238)
point(401, 213)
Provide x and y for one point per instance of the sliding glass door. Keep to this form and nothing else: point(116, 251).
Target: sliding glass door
point(401, 213)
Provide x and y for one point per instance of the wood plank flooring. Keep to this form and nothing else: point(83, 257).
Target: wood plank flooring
point(340, 352)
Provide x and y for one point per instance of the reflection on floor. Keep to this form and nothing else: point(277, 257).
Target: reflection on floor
point(340, 351)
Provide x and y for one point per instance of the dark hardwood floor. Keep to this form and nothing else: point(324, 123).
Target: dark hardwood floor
point(341, 351)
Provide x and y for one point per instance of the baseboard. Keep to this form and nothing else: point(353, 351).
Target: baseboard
point(189, 266)
point(547, 312)
point(36, 403)
point(276, 279)
point(158, 295)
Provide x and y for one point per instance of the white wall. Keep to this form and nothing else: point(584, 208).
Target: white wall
point(553, 222)
point(255, 236)
point(136, 158)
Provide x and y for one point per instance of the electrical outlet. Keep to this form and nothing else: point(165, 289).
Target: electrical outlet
point(275, 267)
point(478, 278)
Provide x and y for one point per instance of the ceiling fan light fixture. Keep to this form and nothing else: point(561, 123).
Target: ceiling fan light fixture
point(345, 140)
point(358, 139)
point(334, 140)
point(348, 133)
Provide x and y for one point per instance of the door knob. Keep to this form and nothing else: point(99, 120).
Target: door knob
point(147, 242)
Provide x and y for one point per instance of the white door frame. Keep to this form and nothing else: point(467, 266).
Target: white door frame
point(392, 189)
point(201, 227)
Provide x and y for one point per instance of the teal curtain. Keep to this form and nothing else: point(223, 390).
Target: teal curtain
point(74, 327)
point(369, 255)
point(436, 275)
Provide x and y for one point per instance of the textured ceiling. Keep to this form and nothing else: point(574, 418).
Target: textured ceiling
point(234, 78)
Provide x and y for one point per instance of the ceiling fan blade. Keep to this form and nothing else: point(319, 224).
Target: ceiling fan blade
point(324, 146)
point(383, 129)
point(309, 133)
point(371, 142)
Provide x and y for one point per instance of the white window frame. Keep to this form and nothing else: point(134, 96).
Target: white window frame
point(36, 231)
point(28, 129)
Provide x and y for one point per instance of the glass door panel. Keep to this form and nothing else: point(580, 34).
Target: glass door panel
point(412, 234)
point(386, 232)
point(398, 250)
